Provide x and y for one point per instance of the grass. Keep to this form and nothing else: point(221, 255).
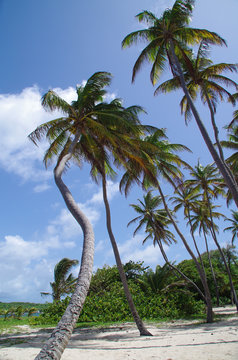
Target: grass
point(10, 325)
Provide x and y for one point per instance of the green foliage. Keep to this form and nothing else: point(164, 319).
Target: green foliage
point(188, 267)
point(106, 301)
point(18, 310)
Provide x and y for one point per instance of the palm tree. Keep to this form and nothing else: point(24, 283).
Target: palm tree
point(158, 280)
point(200, 219)
point(235, 113)
point(234, 225)
point(82, 121)
point(187, 198)
point(232, 160)
point(121, 132)
point(200, 74)
point(156, 224)
point(207, 179)
point(63, 281)
point(168, 38)
point(156, 158)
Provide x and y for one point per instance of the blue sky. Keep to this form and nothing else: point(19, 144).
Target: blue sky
point(58, 44)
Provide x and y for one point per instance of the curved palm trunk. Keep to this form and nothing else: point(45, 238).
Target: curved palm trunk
point(141, 327)
point(199, 268)
point(227, 178)
point(215, 129)
point(194, 241)
point(60, 336)
point(216, 134)
point(177, 270)
point(212, 270)
point(213, 232)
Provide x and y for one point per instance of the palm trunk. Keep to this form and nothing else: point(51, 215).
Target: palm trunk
point(212, 270)
point(215, 129)
point(141, 327)
point(194, 241)
point(177, 270)
point(199, 269)
point(213, 232)
point(60, 336)
point(216, 134)
point(227, 178)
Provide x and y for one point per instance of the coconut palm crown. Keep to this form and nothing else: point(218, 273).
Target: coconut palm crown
point(171, 26)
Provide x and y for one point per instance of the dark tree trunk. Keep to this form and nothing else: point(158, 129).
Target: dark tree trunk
point(199, 268)
point(213, 232)
point(141, 327)
point(54, 347)
point(212, 270)
point(174, 268)
point(227, 178)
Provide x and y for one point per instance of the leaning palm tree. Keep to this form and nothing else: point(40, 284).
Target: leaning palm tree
point(187, 198)
point(208, 181)
point(232, 161)
point(234, 225)
point(64, 281)
point(156, 223)
point(235, 113)
point(168, 38)
point(200, 219)
point(83, 118)
point(156, 158)
point(201, 75)
point(122, 127)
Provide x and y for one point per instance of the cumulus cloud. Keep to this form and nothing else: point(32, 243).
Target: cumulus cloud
point(20, 115)
point(112, 190)
point(41, 187)
point(132, 250)
point(25, 271)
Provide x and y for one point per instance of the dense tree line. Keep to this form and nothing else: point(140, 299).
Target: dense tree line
point(158, 294)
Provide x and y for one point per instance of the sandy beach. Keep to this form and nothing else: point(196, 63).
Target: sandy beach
point(177, 340)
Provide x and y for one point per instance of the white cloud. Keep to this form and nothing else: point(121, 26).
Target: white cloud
point(25, 272)
point(112, 190)
point(20, 115)
point(41, 187)
point(132, 249)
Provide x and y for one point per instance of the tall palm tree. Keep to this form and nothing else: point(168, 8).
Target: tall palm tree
point(235, 113)
point(168, 38)
point(207, 180)
point(82, 121)
point(232, 160)
point(158, 158)
point(234, 225)
point(200, 219)
point(63, 280)
point(121, 131)
point(187, 198)
point(158, 280)
point(201, 75)
point(156, 224)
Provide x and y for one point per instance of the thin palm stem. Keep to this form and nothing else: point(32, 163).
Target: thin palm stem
point(141, 327)
point(60, 336)
point(228, 179)
point(211, 267)
point(213, 232)
point(159, 242)
point(199, 269)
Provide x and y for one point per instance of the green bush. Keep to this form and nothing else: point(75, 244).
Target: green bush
point(111, 306)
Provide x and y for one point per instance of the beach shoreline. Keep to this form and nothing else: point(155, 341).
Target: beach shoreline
point(174, 340)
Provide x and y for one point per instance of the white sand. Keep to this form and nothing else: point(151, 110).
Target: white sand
point(178, 340)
